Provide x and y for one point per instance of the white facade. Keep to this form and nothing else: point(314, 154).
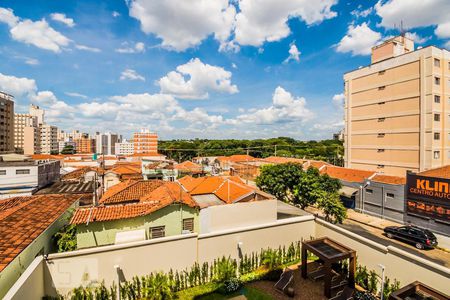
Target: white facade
point(68, 142)
point(22, 123)
point(37, 112)
point(49, 139)
point(124, 148)
point(106, 143)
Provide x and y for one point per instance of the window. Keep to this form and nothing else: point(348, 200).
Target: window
point(381, 119)
point(22, 171)
point(437, 80)
point(437, 136)
point(381, 135)
point(380, 88)
point(381, 103)
point(437, 117)
point(369, 191)
point(188, 224)
point(437, 99)
point(380, 150)
point(380, 166)
point(157, 232)
point(390, 195)
point(381, 72)
point(436, 154)
point(2, 172)
point(437, 63)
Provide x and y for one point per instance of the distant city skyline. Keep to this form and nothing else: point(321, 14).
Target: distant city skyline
point(220, 69)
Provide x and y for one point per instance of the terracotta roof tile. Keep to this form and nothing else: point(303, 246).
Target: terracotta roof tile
point(23, 219)
point(282, 160)
point(389, 179)
point(346, 174)
point(442, 172)
point(129, 191)
point(189, 166)
point(237, 158)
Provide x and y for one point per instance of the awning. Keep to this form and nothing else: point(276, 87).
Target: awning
point(347, 191)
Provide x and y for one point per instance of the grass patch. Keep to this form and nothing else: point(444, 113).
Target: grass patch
point(249, 292)
point(195, 292)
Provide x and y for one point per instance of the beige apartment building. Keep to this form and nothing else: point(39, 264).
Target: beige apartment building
point(49, 139)
point(145, 141)
point(397, 109)
point(6, 123)
point(26, 134)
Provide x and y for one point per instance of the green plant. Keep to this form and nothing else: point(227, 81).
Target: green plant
point(230, 286)
point(225, 269)
point(389, 288)
point(332, 206)
point(362, 276)
point(372, 281)
point(66, 238)
point(271, 259)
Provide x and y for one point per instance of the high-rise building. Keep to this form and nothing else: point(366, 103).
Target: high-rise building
point(145, 141)
point(397, 109)
point(85, 144)
point(26, 134)
point(124, 148)
point(6, 123)
point(106, 143)
point(49, 139)
point(38, 113)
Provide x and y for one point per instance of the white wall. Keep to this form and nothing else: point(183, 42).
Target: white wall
point(221, 217)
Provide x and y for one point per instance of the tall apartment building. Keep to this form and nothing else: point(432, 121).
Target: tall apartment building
point(85, 144)
point(6, 123)
point(145, 141)
point(397, 109)
point(37, 112)
point(106, 143)
point(124, 148)
point(65, 136)
point(26, 134)
point(49, 139)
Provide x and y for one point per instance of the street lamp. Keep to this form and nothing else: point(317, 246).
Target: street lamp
point(363, 187)
point(382, 280)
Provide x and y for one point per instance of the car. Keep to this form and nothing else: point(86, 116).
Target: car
point(419, 237)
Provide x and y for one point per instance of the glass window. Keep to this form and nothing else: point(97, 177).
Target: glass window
point(380, 150)
point(437, 99)
point(157, 232)
point(2, 172)
point(22, 171)
point(437, 136)
point(390, 195)
point(436, 154)
point(380, 88)
point(437, 80)
point(381, 119)
point(437, 63)
point(188, 224)
point(437, 117)
point(369, 191)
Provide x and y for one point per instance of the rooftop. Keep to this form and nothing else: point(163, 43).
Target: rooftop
point(23, 219)
point(347, 174)
point(129, 191)
point(442, 172)
point(68, 187)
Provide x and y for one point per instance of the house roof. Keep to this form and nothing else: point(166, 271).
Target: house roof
point(389, 179)
point(23, 219)
point(165, 194)
point(123, 169)
point(346, 174)
point(236, 158)
point(189, 166)
point(128, 191)
point(80, 172)
point(442, 172)
point(283, 160)
point(68, 187)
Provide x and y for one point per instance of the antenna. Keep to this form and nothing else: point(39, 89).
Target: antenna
point(402, 30)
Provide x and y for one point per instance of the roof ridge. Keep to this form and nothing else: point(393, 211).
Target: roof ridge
point(128, 183)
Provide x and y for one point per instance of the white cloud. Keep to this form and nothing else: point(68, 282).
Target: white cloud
point(294, 54)
point(59, 17)
point(285, 108)
point(416, 14)
point(17, 86)
point(115, 14)
point(266, 20)
point(7, 16)
point(87, 48)
point(136, 48)
point(234, 66)
point(31, 61)
point(130, 74)
point(447, 45)
point(359, 12)
point(359, 40)
point(78, 95)
point(338, 100)
point(183, 24)
point(417, 38)
point(195, 79)
point(44, 98)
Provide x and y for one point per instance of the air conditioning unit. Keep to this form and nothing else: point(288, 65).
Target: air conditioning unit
point(186, 232)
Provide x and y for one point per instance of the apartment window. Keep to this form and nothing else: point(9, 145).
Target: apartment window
point(437, 80)
point(380, 150)
point(437, 117)
point(381, 135)
point(381, 72)
point(188, 224)
point(380, 166)
point(390, 195)
point(381, 119)
point(437, 63)
point(437, 136)
point(381, 103)
point(22, 171)
point(369, 191)
point(157, 232)
point(2, 172)
point(437, 99)
point(380, 88)
point(436, 154)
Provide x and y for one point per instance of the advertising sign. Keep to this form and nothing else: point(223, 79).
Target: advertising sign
point(428, 196)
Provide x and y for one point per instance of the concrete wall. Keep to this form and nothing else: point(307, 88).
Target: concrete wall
point(30, 285)
point(104, 233)
point(221, 217)
point(399, 264)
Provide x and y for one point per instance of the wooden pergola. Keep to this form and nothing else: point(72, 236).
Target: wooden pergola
point(329, 252)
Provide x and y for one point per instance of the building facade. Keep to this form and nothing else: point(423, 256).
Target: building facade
point(85, 144)
point(49, 139)
point(26, 134)
point(6, 123)
point(106, 143)
point(124, 148)
point(145, 141)
point(397, 109)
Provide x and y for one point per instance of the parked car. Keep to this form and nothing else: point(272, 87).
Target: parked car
point(419, 237)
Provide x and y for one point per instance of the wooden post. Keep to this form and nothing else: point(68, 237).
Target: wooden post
point(304, 262)
point(352, 271)
point(327, 286)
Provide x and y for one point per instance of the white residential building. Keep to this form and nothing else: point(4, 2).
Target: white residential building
point(49, 139)
point(106, 143)
point(37, 112)
point(124, 148)
point(26, 134)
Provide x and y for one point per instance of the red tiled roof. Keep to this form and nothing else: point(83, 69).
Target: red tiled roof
point(237, 158)
point(80, 172)
point(282, 160)
point(389, 179)
point(125, 170)
point(23, 219)
point(129, 190)
point(346, 174)
point(317, 163)
point(442, 172)
point(189, 166)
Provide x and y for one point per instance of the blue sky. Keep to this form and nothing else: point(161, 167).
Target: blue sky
point(206, 69)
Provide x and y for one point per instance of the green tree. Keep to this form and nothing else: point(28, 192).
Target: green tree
point(68, 149)
point(66, 238)
point(308, 189)
point(332, 206)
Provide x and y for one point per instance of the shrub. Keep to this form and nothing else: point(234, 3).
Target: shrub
point(225, 269)
point(230, 286)
point(66, 238)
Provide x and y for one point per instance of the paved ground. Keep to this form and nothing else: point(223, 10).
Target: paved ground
point(372, 228)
